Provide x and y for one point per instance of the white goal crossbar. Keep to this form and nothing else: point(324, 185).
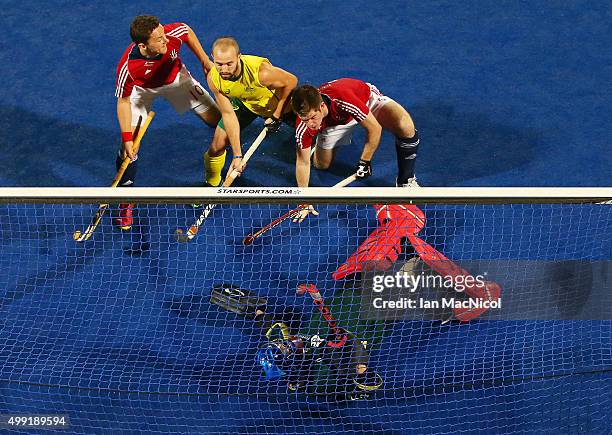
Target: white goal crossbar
point(364, 195)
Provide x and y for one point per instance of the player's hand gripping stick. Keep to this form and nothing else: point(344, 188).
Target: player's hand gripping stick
point(179, 234)
point(141, 130)
point(250, 238)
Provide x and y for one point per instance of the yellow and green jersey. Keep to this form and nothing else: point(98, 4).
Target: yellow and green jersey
point(247, 88)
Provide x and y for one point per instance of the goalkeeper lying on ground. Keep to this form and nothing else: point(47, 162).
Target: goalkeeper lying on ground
point(332, 362)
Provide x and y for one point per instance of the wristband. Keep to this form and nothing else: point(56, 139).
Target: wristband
point(237, 157)
point(126, 136)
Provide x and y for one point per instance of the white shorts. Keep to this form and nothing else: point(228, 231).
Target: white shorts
point(339, 135)
point(184, 93)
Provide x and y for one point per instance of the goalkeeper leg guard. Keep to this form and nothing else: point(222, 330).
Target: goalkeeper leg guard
point(406, 149)
point(378, 252)
point(485, 291)
point(407, 215)
point(237, 300)
point(213, 167)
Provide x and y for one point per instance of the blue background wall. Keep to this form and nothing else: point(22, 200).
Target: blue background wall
point(510, 93)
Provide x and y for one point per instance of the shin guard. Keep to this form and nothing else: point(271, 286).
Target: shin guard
point(213, 167)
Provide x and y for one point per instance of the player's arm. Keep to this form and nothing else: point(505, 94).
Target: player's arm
point(230, 122)
point(124, 116)
point(373, 133)
point(302, 167)
point(278, 79)
point(302, 176)
point(194, 44)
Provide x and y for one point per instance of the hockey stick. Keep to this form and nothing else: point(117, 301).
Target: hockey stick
point(346, 181)
point(250, 238)
point(336, 331)
point(182, 237)
point(79, 236)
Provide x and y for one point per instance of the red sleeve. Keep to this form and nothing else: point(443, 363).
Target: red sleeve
point(177, 30)
point(303, 135)
point(350, 103)
point(124, 82)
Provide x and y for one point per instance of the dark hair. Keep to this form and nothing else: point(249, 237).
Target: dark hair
point(305, 98)
point(225, 42)
point(142, 27)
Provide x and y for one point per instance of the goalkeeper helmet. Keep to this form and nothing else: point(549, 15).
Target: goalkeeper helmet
point(275, 356)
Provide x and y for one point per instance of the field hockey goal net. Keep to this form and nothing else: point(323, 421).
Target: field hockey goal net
point(431, 309)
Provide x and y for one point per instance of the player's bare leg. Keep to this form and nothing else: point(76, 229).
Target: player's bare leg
point(323, 158)
point(211, 117)
point(394, 118)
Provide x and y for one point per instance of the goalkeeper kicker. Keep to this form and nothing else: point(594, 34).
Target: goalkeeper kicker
point(332, 362)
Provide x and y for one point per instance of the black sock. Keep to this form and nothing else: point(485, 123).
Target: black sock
point(406, 149)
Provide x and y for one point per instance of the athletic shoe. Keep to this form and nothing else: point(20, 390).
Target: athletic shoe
point(124, 220)
point(411, 183)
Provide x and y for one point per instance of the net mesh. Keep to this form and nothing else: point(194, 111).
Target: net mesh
point(119, 332)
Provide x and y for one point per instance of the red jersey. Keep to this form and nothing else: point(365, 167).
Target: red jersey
point(136, 70)
point(346, 99)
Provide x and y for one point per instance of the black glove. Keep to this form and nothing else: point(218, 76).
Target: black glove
point(364, 169)
point(273, 124)
point(237, 300)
